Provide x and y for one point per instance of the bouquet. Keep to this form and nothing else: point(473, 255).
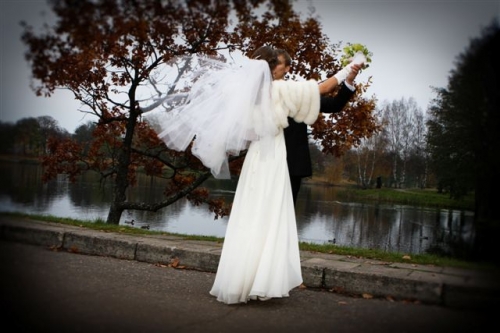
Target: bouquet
point(355, 51)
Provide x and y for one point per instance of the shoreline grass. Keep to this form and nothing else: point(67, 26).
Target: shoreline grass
point(428, 197)
point(371, 254)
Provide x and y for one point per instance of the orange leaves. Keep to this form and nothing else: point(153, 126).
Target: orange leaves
point(183, 180)
point(202, 196)
point(55, 248)
point(342, 131)
point(64, 156)
point(198, 196)
point(174, 263)
point(367, 296)
point(219, 207)
point(73, 249)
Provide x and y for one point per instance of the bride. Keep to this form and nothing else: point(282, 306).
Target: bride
point(240, 109)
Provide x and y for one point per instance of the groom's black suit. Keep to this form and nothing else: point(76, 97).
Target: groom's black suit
point(297, 141)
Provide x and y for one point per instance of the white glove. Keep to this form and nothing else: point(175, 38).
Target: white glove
point(342, 74)
point(358, 59)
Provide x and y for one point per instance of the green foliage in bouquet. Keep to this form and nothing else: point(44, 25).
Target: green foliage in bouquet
point(351, 49)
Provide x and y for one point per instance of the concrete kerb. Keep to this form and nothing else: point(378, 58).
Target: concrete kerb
point(434, 285)
point(375, 280)
point(151, 249)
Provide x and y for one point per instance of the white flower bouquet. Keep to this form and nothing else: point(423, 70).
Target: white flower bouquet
point(356, 53)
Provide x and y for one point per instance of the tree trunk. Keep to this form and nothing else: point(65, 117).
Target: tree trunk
point(119, 191)
point(121, 180)
point(114, 214)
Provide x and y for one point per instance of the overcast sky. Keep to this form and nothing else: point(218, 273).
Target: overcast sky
point(414, 44)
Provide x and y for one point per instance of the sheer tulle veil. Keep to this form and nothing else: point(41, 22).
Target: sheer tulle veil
point(223, 108)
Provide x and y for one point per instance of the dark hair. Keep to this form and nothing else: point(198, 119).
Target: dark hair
point(288, 59)
point(268, 54)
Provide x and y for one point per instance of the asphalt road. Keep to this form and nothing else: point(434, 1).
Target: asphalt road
point(45, 290)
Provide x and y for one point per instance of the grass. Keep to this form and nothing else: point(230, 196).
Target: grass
point(394, 257)
point(419, 259)
point(413, 197)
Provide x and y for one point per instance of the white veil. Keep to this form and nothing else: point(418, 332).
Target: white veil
point(226, 108)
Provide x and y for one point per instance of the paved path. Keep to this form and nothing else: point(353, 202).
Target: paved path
point(47, 290)
point(134, 274)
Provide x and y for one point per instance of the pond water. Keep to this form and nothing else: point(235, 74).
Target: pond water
point(322, 218)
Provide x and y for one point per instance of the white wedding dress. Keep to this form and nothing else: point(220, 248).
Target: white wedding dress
point(229, 110)
point(260, 255)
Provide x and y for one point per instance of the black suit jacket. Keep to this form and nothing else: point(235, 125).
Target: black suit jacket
point(296, 136)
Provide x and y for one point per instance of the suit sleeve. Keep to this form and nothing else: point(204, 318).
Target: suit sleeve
point(336, 103)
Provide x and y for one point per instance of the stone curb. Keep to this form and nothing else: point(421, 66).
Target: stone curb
point(449, 287)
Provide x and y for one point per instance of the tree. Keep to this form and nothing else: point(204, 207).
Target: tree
point(463, 133)
point(368, 153)
point(83, 135)
point(112, 54)
point(48, 127)
point(26, 139)
point(339, 132)
point(317, 158)
point(7, 133)
point(419, 158)
point(402, 120)
point(29, 136)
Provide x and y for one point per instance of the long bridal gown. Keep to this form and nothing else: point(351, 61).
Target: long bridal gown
point(230, 110)
point(260, 255)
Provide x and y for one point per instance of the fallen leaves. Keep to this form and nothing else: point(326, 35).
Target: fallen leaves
point(174, 263)
point(337, 289)
point(73, 249)
point(55, 248)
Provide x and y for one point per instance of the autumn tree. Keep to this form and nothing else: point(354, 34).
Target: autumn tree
point(111, 54)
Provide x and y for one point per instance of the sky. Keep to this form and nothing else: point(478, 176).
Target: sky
point(414, 43)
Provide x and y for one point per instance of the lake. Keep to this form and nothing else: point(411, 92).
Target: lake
point(322, 218)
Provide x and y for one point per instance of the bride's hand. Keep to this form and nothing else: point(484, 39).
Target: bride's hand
point(355, 68)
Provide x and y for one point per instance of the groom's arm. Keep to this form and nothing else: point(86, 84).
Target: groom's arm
point(336, 103)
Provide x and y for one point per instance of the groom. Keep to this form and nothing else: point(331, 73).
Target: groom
point(296, 137)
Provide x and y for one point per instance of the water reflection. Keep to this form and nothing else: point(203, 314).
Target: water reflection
point(321, 216)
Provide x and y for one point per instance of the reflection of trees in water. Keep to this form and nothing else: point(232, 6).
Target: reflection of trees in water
point(149, 189)
point(88, 192)
point(454, 234)
point(394, 228)
point(23, 184)
point(321, 217)
point(160, 218)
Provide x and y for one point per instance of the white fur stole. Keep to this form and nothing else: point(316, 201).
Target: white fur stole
point(299, 100)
